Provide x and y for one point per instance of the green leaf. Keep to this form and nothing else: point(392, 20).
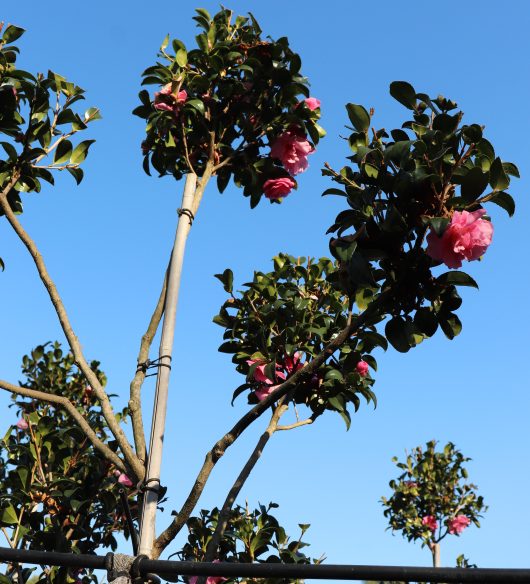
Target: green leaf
point(426, 321)
point(404, 93)
point(498, 178)
point(181, 57)
point(450, 325)
point(457, 278)
point(62, 152)
point(359, 117)
point(505, 201)
point(227, 279)
point(81, 151)
point(12, 33)
point(474, 183)
point(397, 332)
point(511, 169)
point(196, 104)
point(77, 173)
point(9, 516)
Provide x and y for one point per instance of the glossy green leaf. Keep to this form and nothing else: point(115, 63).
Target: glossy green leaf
point(359, 117)
point(404, 93)
point(505, 201)
point(457, 278)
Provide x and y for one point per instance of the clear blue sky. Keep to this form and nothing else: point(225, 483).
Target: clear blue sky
point(107, 242)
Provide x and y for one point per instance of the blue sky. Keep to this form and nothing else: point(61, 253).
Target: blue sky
point(107, 242)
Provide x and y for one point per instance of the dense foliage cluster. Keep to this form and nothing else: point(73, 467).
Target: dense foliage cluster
point(282, 320)
point(431, 498)
point(427, 177)
point(251, 536)
point(237, 102)
point(49, 470)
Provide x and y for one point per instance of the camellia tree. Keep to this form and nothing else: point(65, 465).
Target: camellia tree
point(237, 107)
point(431, 498)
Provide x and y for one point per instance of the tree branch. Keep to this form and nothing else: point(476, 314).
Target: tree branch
point(219, 448)
point(224, 515)
point(135, 403)
point(74, 413)
point(296, 424)
point(106, 408)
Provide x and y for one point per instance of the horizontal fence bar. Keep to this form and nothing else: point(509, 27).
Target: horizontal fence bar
point(270, 570)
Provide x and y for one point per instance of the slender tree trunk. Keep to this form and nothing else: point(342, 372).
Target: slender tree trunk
point(435, 550)
point(150, 500)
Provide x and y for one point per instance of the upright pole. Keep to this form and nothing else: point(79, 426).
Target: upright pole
point(148, 517)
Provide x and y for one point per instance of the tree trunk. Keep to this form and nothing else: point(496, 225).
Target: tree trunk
point(152, 477)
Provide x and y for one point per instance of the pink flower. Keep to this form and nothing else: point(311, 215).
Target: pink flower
point(276, 188)
point(210, 579)
point(22, 424)
point(311, 102)
point(292, 149)
point(169, 101)
point(410, 484)
point(466, 238)
point(458, 524)
point(362, 368)
point(124, 480)
point(267, 385)
point(430, 522)
point(292, 364)
point(265, 390)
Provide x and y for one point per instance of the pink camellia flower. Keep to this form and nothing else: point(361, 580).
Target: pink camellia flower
point(292, 150)
point(267, 385)
point(22, 424)
point(276, 188)
point(124, 480)
point(430, 522)
point(293, 364)
point(466, 238)
point(311, 102)
point(362, 368)
point(169, 101)
point(458, 524)
point(210, 579)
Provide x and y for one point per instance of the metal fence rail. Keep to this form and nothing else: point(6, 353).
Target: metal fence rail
point(307, 572)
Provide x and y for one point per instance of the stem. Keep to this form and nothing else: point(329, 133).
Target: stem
point(147, 533)
point(435, 550)
point(220, 447)
point(135, 404)
point(224, 515)
point(71, 337)
point(72, 410)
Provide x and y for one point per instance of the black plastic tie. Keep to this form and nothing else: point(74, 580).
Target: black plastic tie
point(188, 214)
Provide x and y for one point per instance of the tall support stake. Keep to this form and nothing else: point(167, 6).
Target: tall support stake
point(148, 517)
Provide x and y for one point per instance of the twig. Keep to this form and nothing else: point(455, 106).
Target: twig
point(220, 447)
point(106, 408)
point(135, 404)
point(74, 413)
point(296, 424)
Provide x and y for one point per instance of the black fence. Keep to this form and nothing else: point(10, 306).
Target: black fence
point(169, 569)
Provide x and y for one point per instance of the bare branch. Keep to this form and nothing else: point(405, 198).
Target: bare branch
point(224, 515)
point(220, 447)
point(74, 413)
point(135, 404)
point(106, 408)
point(296, 424)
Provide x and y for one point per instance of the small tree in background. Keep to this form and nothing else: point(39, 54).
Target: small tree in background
point(431, 498)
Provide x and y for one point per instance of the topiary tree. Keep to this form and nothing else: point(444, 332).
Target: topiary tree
point(237, 108)
point(431, 499)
